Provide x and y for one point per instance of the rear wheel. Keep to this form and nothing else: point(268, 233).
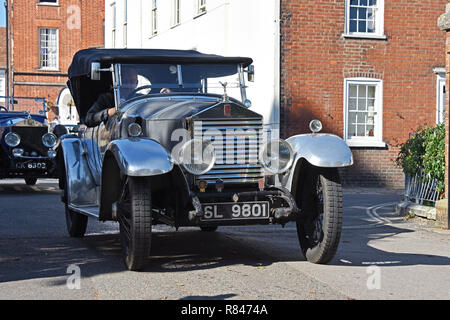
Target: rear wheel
point(30, 181)
point(320, 225)
point(135, 220)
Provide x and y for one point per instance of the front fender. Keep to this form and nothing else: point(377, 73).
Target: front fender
point(138, 157)
point(320, 150)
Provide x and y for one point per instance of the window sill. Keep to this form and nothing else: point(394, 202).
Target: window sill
point(199, 14)
point(364, 36)
point(366, 144)
point(50, 4)
point(49, 70)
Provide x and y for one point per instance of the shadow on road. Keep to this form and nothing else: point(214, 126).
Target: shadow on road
point(185, 251)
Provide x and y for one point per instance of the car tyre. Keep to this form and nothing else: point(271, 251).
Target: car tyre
point(30, 181)
point(135, 221)
point(320, 224)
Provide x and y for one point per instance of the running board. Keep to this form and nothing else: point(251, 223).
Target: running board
point(92, 211)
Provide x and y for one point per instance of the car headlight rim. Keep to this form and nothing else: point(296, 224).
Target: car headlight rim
point(184, 157)
point(12, 139)
point(289, 162)
point(315, 125)
point(49, 140)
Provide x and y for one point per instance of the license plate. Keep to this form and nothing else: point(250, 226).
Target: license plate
point(238, 211)
point(31, 165)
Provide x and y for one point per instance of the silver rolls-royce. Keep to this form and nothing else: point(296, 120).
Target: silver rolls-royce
point(179, 145)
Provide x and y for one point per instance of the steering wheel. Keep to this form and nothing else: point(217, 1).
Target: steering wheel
point(3, 109)
point(135, 91)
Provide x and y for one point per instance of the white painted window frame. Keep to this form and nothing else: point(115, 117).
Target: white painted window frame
point(377, 140)
point(125, 23)
point(200, 7)
point(48, 3)
point(114, 24)
point(154, 18)
point(176, 14)
point(51, 68)
point(440, 96)
point(379, 23)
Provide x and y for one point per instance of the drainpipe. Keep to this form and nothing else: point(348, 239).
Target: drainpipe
point(7, 50)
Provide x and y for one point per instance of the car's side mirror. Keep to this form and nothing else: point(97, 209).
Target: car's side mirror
point(95, 71)
point(251, 73)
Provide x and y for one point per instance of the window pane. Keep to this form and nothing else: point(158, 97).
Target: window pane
point(362, 91)
point(352, 104)
point(370, 26)
point(362, 104)
point(371, 92)
point(353, 27)
point(360, 130)
point(351, 118)
point(363, 2)
point(362, 13)
point(372, 2)
point(353, 91)
point(370, 131)
point(353, 13)
point(362, 26)
point(354, 2)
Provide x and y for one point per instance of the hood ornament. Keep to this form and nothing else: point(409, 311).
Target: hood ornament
point(225, 95)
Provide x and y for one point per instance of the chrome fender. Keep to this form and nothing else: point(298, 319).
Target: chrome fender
point(138, 157)
point(320, 150)
point(82, 189)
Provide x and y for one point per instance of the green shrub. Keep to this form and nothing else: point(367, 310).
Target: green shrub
point(425, 149)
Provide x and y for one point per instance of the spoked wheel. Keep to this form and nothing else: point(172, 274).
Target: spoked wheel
point(135, 220)
point(30, 181)
point(76, 222)
point(320, 225)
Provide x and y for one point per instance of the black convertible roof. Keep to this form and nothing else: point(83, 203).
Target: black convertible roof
point(81, 64)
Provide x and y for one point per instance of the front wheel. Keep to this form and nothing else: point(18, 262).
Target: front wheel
point(319, 228)
point(135, 220)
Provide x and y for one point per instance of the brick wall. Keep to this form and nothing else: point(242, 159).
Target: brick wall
point(26, 19)
point(316, 59)
point(2, 47)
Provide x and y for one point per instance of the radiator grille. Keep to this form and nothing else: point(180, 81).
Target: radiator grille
point(237, 144)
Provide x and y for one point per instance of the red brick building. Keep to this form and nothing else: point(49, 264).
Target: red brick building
point(2, 63)
point(371, 70)
point(44, 35)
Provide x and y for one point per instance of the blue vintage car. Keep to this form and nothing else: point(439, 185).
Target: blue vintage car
point(27, 148)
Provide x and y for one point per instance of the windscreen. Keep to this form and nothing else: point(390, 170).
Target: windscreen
point(137, 79)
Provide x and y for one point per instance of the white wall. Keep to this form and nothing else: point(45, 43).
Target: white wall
point(229, 27)
point(2, 85)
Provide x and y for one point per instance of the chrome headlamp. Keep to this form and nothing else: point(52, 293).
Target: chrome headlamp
point(134, 130)
point(276, 156)
point(12, 139)
point(49, 140)
point(197, 156)
point(315, 126)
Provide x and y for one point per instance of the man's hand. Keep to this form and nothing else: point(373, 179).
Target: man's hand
point(111, 112)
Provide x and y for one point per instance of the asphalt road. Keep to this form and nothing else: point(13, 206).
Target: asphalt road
point(381, 256)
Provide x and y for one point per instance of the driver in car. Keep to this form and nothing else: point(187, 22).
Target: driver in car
point(104, 108)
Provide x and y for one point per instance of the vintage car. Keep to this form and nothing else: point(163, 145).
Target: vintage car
point(27, 147)
point(184, 149)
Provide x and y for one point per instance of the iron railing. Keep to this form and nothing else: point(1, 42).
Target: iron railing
point(421, 189)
